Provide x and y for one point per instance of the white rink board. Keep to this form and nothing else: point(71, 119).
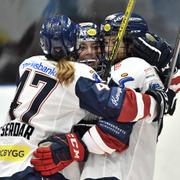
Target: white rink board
point(168, 148)
point(6, 95)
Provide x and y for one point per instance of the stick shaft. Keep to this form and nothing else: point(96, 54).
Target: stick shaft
point(174, 60)
point(119, 38)
point(122, 29)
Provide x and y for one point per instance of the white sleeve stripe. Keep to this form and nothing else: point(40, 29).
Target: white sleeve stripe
point(148, 45)
point(140, 104)
point(98, 140)
point(153, 109)
point(140, 107)
point(94, 143)
point(175, 87)
point(91, 145)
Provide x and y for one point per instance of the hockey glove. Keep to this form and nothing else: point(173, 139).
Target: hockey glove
point(166, 103)
point(153, 49)
point(58, 151)
point(165, 99)
point(162, 99)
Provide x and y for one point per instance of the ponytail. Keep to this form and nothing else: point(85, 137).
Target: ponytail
point(66, 71)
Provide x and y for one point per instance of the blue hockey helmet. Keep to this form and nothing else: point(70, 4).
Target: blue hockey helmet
point(58, 36)
point(137, 26)
point(89, 32)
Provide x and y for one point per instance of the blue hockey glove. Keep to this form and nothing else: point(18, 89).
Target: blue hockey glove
point(153, 49)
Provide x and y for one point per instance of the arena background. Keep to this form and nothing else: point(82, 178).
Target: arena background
point(20, 21)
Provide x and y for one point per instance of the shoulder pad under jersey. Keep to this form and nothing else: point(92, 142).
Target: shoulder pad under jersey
point(142, 73)
point(83, 70)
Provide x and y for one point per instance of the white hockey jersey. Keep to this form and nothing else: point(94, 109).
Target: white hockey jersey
point(137, 162)
point(42, 106)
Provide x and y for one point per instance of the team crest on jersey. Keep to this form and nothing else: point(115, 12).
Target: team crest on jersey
point(124, 74)
point(91, 71)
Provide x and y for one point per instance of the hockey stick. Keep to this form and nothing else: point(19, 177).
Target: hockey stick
point(173, 61)
point(170, 74)
point(122, 29)
point(120, 35)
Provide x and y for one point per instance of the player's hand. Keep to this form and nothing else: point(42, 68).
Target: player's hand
point(153, 49)
point(166, 100)
point(161, 98)
point(57, 152)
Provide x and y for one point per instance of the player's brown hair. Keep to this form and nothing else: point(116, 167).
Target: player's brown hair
point(66, 71)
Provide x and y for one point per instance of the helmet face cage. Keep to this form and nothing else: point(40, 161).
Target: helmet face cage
point(58, 36)
point(109, 42)
point(137, 27)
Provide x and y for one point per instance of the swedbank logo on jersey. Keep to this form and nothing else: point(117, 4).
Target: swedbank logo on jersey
point(14, 152)
point(40, 67)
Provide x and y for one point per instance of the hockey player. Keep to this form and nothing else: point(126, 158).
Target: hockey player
point(158, 53)
point(107, 131)
point(52, 92)
point(88, 46)
point(87, 41)
point(128, 164)
point(88, 52)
